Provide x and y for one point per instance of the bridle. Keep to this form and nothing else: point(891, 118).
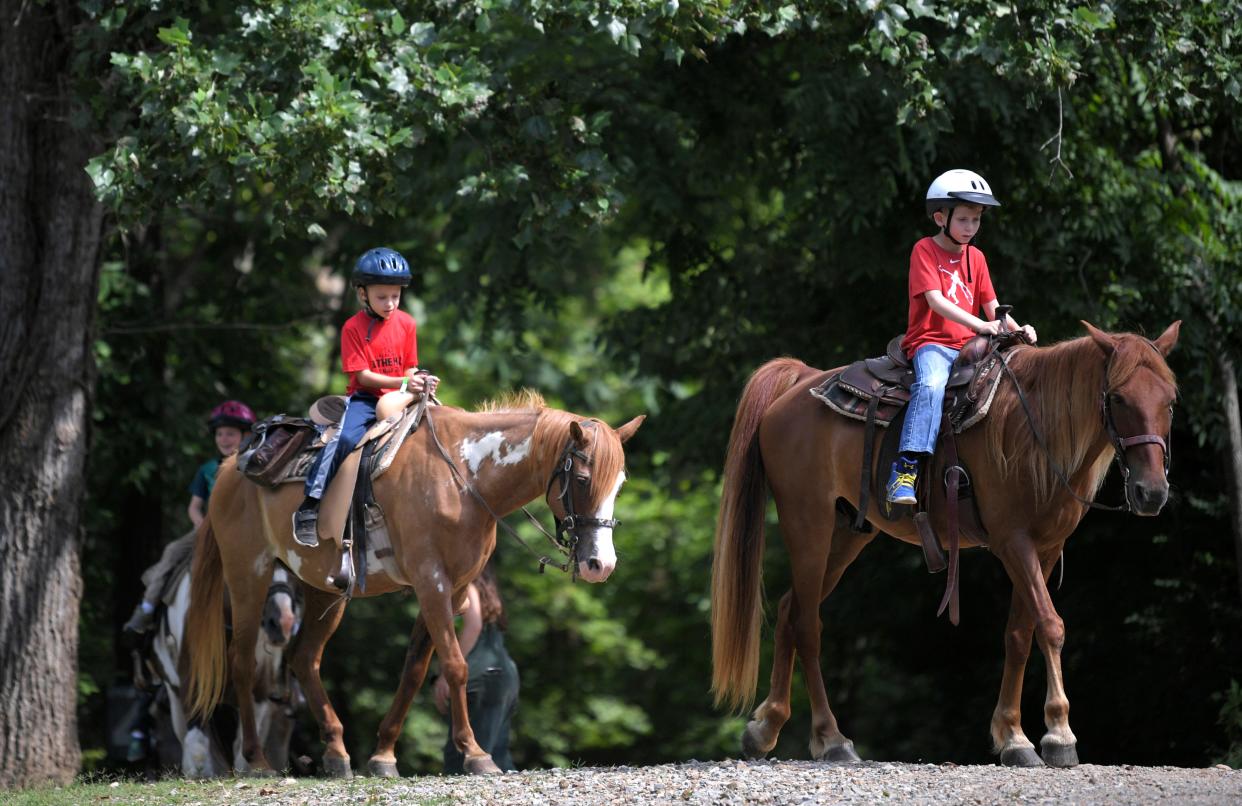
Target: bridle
point(1119, 443)
point(565, 541)
point(568, 526)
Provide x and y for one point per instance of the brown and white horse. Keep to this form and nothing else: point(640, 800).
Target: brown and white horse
point(1092, 399)
point(442, 522)
point(282, 616)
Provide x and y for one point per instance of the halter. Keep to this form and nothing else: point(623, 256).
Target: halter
point(1119, 442)
point(568, 526)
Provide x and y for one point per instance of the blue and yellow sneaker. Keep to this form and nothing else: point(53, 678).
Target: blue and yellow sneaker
point(901, 481)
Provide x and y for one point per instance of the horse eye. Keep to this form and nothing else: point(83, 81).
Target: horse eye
point(583, 480)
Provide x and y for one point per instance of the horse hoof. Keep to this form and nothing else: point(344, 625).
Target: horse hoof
point(752, 746)
point(1059, 755)
point(840, 754)
point(382, 769)
point(1020, 757)
point(335, 767)
point(481, 765)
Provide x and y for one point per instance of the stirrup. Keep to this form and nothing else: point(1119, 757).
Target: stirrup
point(343, 579)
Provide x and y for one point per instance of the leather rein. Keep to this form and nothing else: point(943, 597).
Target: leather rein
point(1119, 443)
point(565, 540)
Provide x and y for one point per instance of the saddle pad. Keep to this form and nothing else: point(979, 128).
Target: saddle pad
point(393, 431)
point(844, 400)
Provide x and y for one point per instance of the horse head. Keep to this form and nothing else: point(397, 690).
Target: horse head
point(280, 610)
point(582, 493)
point(1136, 406)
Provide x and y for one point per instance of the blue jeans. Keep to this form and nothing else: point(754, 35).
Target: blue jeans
point(359, 415)
point(931, 372)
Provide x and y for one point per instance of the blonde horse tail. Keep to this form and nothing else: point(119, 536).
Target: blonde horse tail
point(737, 571)
point(204, 628)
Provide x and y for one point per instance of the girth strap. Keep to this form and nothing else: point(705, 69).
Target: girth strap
point(864, 492)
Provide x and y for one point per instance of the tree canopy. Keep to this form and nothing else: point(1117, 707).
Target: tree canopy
point(630, 205)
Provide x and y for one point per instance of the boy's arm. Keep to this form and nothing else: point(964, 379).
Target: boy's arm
point(195, 510)
point(937, 302)
point(376, 381)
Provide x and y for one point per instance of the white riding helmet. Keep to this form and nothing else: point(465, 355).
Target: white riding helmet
point(959, 185)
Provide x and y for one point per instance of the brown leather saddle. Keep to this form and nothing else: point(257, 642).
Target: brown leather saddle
point(876, 391)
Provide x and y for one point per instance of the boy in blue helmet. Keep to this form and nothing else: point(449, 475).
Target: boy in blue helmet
point(379, 351)
point(951, 300)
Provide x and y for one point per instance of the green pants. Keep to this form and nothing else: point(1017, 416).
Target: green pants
point(491, 699)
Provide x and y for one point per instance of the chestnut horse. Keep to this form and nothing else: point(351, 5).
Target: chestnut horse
point(1090, 399)
point(447, 485)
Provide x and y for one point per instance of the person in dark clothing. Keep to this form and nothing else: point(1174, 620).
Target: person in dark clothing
point(492, 687)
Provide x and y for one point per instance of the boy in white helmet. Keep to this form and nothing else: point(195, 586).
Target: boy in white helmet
point(951, 300)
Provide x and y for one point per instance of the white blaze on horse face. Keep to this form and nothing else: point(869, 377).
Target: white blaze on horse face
point(601, 557)
point(493, 445)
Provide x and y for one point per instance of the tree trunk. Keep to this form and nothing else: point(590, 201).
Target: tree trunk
point(49, 239)
point(1233, 420)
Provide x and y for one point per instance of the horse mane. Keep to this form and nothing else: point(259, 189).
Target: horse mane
point(604, 448)
point(1062, 384)
point(519, 400)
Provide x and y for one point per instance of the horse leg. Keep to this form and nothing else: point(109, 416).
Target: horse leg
point(383, 761)
point(827, 743)
point(1029, 574)
point(437, 609)
point(307, 655)
point(1008, 739)
point(247, 595)
point(766, 722)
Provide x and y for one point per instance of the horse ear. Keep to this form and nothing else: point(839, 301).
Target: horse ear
point(1105, 342)
point(579, 436)
point(1168, 339)
point(626, 431)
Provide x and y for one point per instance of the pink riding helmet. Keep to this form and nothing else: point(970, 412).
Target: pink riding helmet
point(231, 412)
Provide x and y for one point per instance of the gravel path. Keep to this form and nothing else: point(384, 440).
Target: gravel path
point(763, 782)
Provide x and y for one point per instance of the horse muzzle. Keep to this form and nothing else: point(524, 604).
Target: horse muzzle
point(1147, 497)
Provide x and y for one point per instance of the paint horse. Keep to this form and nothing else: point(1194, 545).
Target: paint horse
point(448, 486)
point(282, 615)
point(1037, 460)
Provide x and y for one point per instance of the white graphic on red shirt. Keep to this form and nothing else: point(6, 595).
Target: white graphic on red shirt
point(955, 282)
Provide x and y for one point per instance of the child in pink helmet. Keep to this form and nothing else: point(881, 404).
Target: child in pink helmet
point(228, 423)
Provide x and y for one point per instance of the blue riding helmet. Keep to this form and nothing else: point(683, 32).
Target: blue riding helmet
point(381, 266)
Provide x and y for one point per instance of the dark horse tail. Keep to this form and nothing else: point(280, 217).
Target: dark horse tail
point(203, 646)
point(737, 572)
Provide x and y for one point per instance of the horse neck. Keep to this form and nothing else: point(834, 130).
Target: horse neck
point(1062, 384)
point(508, 455)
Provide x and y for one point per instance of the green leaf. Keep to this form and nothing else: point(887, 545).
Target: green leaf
point(178, 35)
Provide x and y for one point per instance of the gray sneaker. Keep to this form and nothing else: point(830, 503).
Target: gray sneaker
point(306, 527)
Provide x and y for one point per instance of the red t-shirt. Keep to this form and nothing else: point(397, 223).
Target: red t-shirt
point(391, 349)
point(932, 268)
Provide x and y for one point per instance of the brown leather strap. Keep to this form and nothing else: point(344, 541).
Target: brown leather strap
point(864, 492)
point(953, 475)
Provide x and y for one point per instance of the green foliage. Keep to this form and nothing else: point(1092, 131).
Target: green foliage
point(630, 205)
point(1231, 721)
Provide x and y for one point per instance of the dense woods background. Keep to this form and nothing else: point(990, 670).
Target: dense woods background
point(627, 205)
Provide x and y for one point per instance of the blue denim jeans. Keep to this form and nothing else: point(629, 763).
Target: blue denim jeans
point(359, 415)
point(931, 372)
